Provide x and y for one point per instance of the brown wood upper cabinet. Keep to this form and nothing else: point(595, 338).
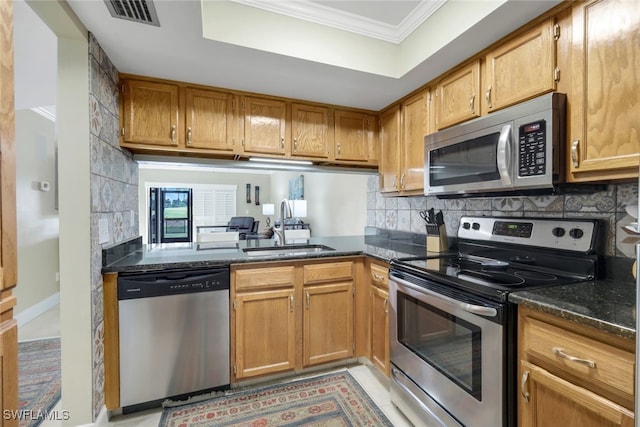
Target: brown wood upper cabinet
point(264, 125)
point(310, 130)
point(401, 135)
point(522, 68)
point(151, 113)
point(167, 116)
point(604, 137)
point(458, 97)
point(209, 119)
point(354, 138)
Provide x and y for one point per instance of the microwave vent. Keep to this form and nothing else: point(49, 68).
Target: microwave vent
point(142, 11)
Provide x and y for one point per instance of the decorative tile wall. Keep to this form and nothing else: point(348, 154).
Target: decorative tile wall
point(114, 192)
point(608, 204)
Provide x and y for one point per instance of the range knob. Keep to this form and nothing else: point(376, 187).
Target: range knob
point(466, 225)
point(576, 233)
point(558, 231)
point(476, 226)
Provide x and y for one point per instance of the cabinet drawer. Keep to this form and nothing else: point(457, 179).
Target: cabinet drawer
point(268, 277)
point(594, 362)
point(380, 276)
point(318, 273)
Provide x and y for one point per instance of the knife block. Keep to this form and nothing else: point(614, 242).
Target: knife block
point(438, 242)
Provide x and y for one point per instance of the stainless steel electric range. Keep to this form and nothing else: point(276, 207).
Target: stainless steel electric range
point(452, 329)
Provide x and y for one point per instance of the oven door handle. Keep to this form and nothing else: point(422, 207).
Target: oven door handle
point(469, 308)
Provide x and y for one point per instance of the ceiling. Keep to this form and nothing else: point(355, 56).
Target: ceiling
point(363, 54)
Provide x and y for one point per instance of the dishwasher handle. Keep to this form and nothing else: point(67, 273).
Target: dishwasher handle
point(162, 283)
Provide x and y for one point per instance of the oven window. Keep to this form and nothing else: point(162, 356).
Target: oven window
point(469, 161)
point(449, 344)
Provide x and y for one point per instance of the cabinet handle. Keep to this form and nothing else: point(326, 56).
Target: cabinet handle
point(378, 276)
point(560, 353)
point(308, 300)
point(575, 153)
point(173, 133)
point(385, 305)
point(471, 101)
point(339, 148)
point(487, 95)
point(295, 144)
point(402, 181)
point(282, 142)
point(523, 386)
point(291, 303)
point(189, 136)
point(395, 182)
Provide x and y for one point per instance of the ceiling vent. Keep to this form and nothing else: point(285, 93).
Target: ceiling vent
point(134, 10)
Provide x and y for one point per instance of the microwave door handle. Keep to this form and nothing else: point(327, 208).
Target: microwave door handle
point(503, 155)
point(469, 308)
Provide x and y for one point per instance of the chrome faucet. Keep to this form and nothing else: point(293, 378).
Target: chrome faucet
point(285, 212)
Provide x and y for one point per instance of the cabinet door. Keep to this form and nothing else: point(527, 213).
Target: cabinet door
point(8, 229)
point(310, 130)
point(209, 119)
point(264, 332)
point(389, 135)
point(150, 113)
point(414, 128)
point(328, 323)
point(458, 96)
point(380, 329)
point(264, 126)
point(521, 68)
point(605, 106)
point(353, 135)
point(548, 400)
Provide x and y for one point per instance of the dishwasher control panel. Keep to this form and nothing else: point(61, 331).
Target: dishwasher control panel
point(172, 282)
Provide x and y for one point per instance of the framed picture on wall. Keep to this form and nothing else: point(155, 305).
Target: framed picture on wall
point(296, 188)
point(257, 195)
point(248, 193)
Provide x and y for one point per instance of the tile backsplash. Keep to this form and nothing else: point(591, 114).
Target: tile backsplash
point(607, 203)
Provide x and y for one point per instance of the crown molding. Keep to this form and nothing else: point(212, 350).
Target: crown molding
point(346, 21)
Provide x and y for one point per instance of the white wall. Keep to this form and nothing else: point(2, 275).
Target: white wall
point(38, 224)
point(336, 202)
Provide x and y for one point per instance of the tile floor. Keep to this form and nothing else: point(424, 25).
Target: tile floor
point(374, 383)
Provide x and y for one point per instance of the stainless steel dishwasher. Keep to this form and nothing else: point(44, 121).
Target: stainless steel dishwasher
point(174, 335)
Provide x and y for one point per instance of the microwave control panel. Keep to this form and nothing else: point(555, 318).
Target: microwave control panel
point(532, 149)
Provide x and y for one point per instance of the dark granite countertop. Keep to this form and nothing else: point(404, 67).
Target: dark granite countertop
point(135, 257)
point(608, 305)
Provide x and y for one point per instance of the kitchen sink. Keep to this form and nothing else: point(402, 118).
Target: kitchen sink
point(287, 250)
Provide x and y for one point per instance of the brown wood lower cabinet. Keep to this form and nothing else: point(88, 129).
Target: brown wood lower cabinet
point(290, 315)
point(379, 306)
point(328, 323)
point(265, 332)
point(572, 375)
point(553, 401)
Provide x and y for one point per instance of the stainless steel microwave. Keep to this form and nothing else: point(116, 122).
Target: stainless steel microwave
point(518, 148)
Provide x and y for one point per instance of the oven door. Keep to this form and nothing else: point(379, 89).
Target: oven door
point(452, 347)
point(479, 161)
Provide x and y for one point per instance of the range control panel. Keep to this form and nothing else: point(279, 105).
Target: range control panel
point(532, 149)
point(553, 233)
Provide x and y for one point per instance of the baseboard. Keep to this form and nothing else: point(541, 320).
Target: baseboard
point(102, 420)
point(36, 310)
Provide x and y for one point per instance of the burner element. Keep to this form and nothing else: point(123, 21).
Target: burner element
point(490, 278)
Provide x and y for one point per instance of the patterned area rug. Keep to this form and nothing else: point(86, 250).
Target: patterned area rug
point(334, 399)
point(38, 379)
